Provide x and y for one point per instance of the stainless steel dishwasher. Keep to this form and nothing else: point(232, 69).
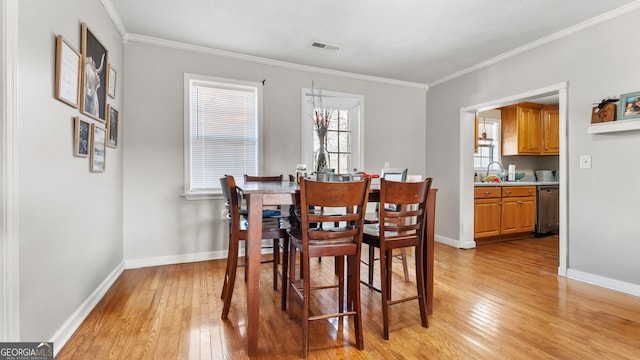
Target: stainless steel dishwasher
point(548, 210)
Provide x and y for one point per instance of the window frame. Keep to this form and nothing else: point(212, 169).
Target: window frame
point(496, 144)
point(332, 99)
point(188, 192)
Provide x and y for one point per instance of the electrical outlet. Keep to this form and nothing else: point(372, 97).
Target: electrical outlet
point(386, 164)
point(585, 161)
point(223, 213)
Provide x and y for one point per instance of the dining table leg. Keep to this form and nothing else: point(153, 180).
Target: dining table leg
point(253, 270)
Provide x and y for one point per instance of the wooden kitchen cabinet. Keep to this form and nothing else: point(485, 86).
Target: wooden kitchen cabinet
point(521, 129)
point(486, 214)
point(502, 212)
point(518, 213)
point(551, 130)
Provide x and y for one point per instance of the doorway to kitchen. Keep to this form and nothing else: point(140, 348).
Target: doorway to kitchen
point(467, 118)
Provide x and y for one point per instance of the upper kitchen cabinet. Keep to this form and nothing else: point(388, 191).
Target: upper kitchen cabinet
point(550, 130)
point(530, 129)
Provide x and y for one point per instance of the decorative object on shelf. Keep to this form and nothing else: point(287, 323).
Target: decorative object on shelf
point(67, 72)
point(321, 120)
point(93, 99)
point(629, 106)
point(604, 111)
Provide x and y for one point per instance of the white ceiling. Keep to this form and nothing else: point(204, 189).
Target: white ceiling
point(421, 41)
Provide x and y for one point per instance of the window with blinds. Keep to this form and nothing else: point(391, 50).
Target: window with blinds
point(222, 123)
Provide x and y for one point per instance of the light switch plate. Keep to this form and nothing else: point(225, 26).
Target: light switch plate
point(585, 161)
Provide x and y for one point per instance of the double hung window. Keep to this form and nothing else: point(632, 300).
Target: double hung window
point(222, 131)
point(343, 140)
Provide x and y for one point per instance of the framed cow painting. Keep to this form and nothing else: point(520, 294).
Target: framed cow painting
point(93, 97)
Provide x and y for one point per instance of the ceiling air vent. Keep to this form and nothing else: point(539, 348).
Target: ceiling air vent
point(325, 46)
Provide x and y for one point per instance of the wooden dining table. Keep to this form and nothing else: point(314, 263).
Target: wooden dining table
point(259, 194)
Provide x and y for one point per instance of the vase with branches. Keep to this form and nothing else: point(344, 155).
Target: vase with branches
point(321, 119)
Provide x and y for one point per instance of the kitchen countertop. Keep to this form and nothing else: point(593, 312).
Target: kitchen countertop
point(516, 183)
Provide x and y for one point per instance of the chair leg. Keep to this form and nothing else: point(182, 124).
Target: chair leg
point(405, 267)
point(372, 254)
point(421, 287)
point(276, 262)
point(339, 260)
point(285, 272)
point(385, 277)
point(306, 294)
point(292, 277)
point(230, 279)
point(353, 298)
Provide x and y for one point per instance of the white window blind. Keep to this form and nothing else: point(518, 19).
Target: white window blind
point(223, 122)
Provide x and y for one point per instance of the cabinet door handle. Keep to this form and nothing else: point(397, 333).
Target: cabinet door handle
point(487, 193)
point(507, 192)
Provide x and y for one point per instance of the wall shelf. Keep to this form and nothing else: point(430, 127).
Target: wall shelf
point(614, 126)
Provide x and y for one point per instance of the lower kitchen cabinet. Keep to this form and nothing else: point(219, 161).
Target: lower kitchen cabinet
point(486, 217)
point(500, 213)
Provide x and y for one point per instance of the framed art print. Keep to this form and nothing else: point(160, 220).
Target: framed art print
point(81, 137)
point(629, 106)
point(112, 127)
point(98, 148)
point(67, 72)
point(111, 79)
point(93, 99)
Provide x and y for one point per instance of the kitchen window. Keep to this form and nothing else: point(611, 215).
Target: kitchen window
point(489, 145)
point(343, 134)
point(222, 137)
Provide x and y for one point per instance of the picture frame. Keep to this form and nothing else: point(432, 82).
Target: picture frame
point(81, 137)
point(68, 66)
point(98, 148)
point(112, 126)
point(95, 57)
point(111, 80)
point(629, 106)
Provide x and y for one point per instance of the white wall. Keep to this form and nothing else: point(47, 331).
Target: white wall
point(161, 226)
point(596, 62)
point(70, 220)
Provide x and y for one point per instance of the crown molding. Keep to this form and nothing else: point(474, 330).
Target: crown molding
point(115, 17)
point(545, 40)
point(264, 61)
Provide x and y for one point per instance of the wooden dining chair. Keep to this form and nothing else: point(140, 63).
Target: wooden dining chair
point(238, 231)
point(399, 174)
point(402, 226)
point(329, 203)
point(276, 214)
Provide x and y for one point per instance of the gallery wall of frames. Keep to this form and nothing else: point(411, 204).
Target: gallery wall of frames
point(86, 81)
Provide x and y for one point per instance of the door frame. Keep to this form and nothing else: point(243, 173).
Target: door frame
point(467, 119)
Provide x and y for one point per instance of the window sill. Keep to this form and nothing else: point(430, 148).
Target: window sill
point(203, 196)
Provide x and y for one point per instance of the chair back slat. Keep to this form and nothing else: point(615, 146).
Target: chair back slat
point(408, 220)
point(277, 178)
point(340, 203)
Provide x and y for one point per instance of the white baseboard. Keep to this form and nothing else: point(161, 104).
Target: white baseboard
point(455, 243)
point(67, 329)
point(174, 259)
point(613, 284)
point(186, 258)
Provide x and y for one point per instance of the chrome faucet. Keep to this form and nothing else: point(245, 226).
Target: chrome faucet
point(495, 162)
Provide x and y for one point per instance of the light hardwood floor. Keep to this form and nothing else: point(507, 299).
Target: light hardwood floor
point(499, 301)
